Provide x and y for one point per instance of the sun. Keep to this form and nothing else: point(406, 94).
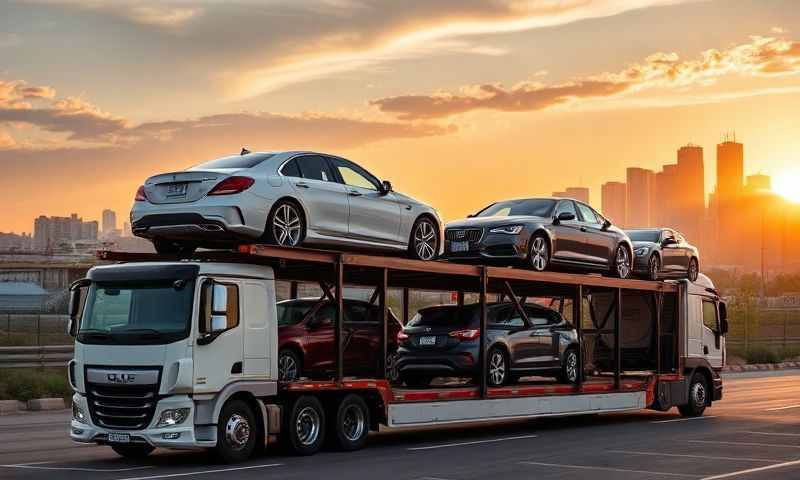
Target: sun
point(787, 185)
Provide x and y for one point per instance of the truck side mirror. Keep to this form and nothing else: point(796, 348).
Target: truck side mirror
point(214, 321)
point(723, 318)
point(75, 305)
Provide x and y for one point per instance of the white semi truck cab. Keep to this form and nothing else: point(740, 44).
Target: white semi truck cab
point(183, 354)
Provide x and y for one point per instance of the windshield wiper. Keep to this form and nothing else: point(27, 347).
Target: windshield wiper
point(95, 333)
point(145, 332)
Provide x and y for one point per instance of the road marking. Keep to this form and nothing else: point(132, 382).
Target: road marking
point(476, 442)
point(684, 419)
point(752, 470)
point(657, 454)
point(38, 466)
point(746, 444)
point(609, 469)
point(787, 407)
point(204, 472)
point(777, 434)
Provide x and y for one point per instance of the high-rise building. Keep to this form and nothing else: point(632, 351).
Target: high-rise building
point(691, 201)
point(730, 169)
point(757, 182)
point(614, 202)
point(578, 193)
point(109, 221)
point(640, 195)
point(48, 232)
point(729, 190)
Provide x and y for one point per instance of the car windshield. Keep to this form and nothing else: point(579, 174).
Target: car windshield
point(292, 313)
point(142, 313)
point(448, 316)
point(644, 235)
point(533, 207)
point(236, 161)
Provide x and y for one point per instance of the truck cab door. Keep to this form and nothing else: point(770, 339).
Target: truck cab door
point(712, 334)
point(219, 351)
point(260, 329)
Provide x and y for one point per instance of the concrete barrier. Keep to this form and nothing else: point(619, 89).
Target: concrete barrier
point(40, 404)
point(8, 407)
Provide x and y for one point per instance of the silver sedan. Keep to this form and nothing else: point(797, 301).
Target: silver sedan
point(282, 198)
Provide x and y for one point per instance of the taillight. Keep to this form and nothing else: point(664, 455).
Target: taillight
point(471, 334)
point(141, 196)
point(232, 185)
point(401, 337)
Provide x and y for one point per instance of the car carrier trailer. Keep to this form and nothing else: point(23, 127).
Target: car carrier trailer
point(208, 377)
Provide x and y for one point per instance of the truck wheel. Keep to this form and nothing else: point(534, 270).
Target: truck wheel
point(132, 451)
point(236, 432)
point(698, 397)
point(569, 369)
point(350, 426)
point(305, 426)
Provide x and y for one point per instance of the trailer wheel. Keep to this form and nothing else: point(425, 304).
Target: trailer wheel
point(236, 432)
point(698, 397)
point(305, 426)
point(133, 451)
point(569, 369)
point(497, 367)
point(350, 425)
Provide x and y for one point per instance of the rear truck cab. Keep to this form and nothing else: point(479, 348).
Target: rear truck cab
point(173, 354)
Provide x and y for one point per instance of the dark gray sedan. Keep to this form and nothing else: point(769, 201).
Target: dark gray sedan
point(444, 341)
point(663, 253)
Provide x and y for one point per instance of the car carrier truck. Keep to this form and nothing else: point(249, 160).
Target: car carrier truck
point(182, 352)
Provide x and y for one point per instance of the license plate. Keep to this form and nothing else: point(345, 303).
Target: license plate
point(119, 438)
point(176, 189)
point(459, 246)
point(427, 340)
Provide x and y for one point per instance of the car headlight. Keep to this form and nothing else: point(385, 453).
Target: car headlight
point(508, 229)
point(172, 417)
point(77, 413)
point(641, 251)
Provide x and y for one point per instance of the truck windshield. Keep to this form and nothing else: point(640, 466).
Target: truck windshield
point(137, 314)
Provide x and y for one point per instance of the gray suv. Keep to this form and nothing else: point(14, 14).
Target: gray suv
point(443, 341)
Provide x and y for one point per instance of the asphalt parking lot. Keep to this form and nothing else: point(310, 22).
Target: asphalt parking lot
point(753, 433)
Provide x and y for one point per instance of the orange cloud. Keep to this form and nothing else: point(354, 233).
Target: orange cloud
point(763, 56)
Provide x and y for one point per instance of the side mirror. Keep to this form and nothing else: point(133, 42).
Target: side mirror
point(471, 215)
point(386, 187)
point(75, 305)
point(723, 318)
point(563, 217)
point(606, 224)
point(668, 241)
point(218, 321)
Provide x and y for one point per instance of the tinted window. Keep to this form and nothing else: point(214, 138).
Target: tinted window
point(444, 316)
point(290, 169)
point(644, 235)
point(357, 312)
point(292, 313)
point(535, 207)
point(666, 234)
point(539, 316)
point(710, 315)
point(236, 161)
point(355, 176)
point(566, 206)
point(314, 167)
point(587, 214)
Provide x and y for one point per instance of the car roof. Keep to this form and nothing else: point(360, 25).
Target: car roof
point(493, 305)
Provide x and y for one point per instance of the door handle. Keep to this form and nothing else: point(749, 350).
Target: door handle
point(302, 185)
point(705, 349)
point(355, 193)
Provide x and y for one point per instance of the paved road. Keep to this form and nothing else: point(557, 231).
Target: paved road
point(753, 434)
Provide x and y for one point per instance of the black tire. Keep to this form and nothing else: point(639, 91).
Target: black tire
point(170, 247)
point(653, 267)
point(286, 212)
point(539, 253)
point(424, 242)
point(620, 253)
point(237, 432)
point(289, 357)
point(698, 397)
point(497, 367)
point(133, 451)
point(569, 367)
point(349, 425)
point(417, 381)
point(693, 270)
point(304, 427)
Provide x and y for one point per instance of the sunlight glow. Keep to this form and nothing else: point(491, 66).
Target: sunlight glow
point(787, 185)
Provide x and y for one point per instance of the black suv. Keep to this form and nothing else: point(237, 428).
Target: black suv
point(443, 341)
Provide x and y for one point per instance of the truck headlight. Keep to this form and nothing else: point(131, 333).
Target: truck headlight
point(507, 229)
point(77, 413)
point(641, 251)
point(172, 417)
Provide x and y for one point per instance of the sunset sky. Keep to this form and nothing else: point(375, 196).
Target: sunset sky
point(457, 102)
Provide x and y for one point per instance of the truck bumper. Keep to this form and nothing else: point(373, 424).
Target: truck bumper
point(180, 436)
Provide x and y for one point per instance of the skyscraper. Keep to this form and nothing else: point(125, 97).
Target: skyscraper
point(730, 169)
point(691, 205)
point(614, 201)
point(640, 182)
point(730, 175)
point(109, 221)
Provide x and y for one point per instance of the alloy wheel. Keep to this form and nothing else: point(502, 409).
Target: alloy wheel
point(307, 426)
point(623, 262)
point(654, 267)
point(287, 227)
point(497, 368)
point(572, 366)
point(425, 240)
point(287, 368)
point(539, 254)
point(392, 374)
point(237, 432)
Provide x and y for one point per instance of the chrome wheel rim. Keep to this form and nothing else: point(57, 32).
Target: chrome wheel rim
point(237, 432)
point(654, 267)
point(287, 368)
point(353, 423)
point(425, 240)
point(497, 368)
point(307, 426)
point(539, 254)
point(287, 226)
point(572, 366)
point(623, 263)
point(699, 394)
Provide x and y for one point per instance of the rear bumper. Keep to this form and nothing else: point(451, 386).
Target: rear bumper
point(463, 362)
point(207, 223)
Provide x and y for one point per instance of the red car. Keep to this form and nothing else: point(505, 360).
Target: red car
point(305, 342)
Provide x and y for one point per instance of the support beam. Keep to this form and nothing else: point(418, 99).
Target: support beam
point(482, 342)
point(293, 290)
point(339, 327)
point(517, 305)
point(460, 299)
point(375, 294)
point(326, 289)
point(658, 300)
point(384, 309)
point(577, 319)
point(406, 307)
point(618, 340)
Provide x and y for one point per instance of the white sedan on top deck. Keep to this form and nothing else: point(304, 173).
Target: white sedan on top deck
point(283, 198)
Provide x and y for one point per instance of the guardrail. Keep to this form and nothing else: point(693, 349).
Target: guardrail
point(33, 357)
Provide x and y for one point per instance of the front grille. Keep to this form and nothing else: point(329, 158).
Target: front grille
point(463, 234)
point(125, 407)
